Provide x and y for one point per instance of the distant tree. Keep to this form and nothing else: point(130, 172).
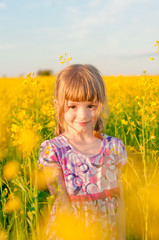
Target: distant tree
point(45, 73)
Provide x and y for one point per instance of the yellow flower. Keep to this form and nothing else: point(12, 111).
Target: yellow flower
point(141, 111)
point(153, 104)
point(43, 176)
point(13, 204)
point(67, 227)
point(3, 235)
point(10, 169)
point(51, 124)
point(27, 141)
point(14, 128)
point(21, 115)
point(124, 122)
point(152, 118)
point(133, 124)
point(47, 152)
point(141, 148)
point(151, 58)
point(38, 126)
point(152, 137)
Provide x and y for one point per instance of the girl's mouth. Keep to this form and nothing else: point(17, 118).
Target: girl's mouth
point(83, 123)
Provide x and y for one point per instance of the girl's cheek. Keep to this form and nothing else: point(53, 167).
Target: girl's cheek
point(95, 117)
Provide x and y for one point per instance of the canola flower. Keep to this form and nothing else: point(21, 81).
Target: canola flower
point(42, 177)
point(64, 59)
point(157, 45)
point(10, 170)
point(69, 228)
point(151, 58)
point(3, 235)
point(12, 204)
point(27, 141)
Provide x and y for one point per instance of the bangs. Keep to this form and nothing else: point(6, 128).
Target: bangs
point(83, 89)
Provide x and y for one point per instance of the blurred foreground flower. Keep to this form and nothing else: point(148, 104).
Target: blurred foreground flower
point(13, 204)
point(68, 227)
point(27, 141)
point(10, 170)
point(3, 235)
point(42, 177)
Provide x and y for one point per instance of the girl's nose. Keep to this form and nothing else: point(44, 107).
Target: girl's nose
point(82, 113)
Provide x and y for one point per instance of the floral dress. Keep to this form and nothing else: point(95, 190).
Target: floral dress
point(91, 182)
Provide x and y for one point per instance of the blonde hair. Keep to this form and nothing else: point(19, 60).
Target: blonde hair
point(79, 82)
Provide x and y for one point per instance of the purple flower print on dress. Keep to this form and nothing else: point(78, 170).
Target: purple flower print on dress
point(93, 179)
point(106, 151)
point(66, 172)
point(81, 168)
point(79, 181)
point(64, 161)
point(92, 188)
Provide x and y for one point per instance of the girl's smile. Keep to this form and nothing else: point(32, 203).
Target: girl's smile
point(83, 123)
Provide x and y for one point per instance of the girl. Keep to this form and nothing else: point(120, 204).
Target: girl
point(87, 162)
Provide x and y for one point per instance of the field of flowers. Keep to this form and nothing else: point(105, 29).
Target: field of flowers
point(28, 117)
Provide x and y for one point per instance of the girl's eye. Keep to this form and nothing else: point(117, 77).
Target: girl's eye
point(72, 107)
point(90, 106)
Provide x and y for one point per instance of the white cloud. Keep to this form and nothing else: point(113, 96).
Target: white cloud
point(2, 5)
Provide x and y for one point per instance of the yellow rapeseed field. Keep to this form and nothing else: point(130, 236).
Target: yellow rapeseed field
point(28, 117)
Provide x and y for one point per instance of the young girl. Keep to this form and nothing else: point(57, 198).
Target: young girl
point(87, 162)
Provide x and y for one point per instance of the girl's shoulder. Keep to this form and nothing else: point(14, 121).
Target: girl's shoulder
point(56, 142)
point(50, 152)
point(116, 147)
point(111, 139)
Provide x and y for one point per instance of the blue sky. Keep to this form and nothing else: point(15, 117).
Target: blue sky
point(117, 36)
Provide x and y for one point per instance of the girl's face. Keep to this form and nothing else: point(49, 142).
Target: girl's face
point(80, 116)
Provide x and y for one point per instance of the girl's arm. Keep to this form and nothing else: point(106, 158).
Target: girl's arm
point(57, 187)
point(62, 195)
point(121, 214)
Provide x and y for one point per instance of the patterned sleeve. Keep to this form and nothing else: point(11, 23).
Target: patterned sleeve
point(121, 155)
point(48, 155)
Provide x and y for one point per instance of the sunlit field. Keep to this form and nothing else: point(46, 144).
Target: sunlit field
point(28, 117)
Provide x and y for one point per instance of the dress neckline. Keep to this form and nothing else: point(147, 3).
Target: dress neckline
point(80, 153)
